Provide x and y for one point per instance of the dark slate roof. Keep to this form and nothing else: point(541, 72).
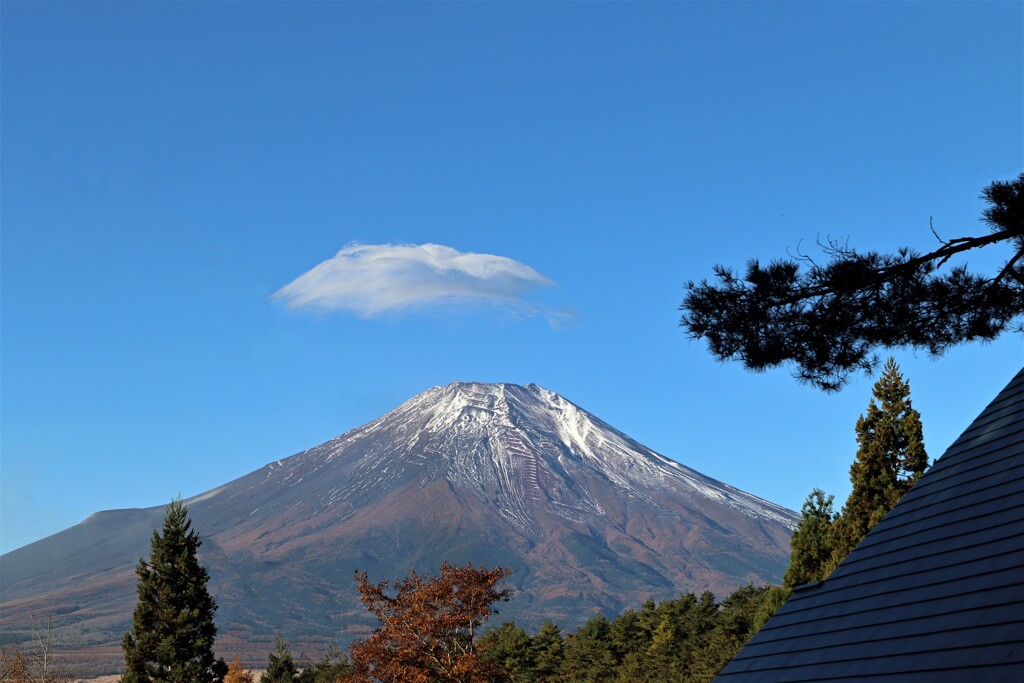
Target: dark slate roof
point(935, 592)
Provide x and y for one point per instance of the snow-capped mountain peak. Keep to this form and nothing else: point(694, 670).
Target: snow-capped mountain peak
point(524, 449)
point(498, 474)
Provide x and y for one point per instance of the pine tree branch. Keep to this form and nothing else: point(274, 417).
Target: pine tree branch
point(828, 318)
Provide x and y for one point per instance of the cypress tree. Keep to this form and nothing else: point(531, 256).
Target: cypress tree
point(172, 634)
point(890, 459)
point(812, 543)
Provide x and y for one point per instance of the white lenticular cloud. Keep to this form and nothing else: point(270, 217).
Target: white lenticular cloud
point(370, 279)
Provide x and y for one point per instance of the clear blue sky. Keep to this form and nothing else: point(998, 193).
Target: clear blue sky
point(167, 168)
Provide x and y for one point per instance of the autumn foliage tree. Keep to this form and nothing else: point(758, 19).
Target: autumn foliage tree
point(428, 626)
point(34, 662)
point(238, 673)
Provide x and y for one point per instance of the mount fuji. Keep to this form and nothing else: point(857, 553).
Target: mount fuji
point(497, 474)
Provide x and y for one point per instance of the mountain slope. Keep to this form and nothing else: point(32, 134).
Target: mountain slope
point(585, 516)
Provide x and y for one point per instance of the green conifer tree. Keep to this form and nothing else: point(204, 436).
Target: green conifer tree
point(812, 543)
point(333, 667)
point(650, 616)
point(774, 599)
point(172, 634)
point(508, 647)
point(699, 623)
point(736, 625)
point(666, 658)
point(632, 669)
point(588, 653)
point(700, 617)
point(546, 652)
point(890, 459)
point(280, 664)
point(628, 635)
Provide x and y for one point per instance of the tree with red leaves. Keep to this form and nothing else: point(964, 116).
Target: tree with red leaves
point(428, 626)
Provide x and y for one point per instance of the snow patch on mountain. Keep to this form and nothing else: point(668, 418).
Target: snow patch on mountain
point(523, 448)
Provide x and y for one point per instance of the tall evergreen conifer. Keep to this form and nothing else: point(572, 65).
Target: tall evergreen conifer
point(628, 635)
point(812, 543)
point(890, 459)
point(508, 647)
point(546, 652)
point(666, 657)
point(280, 664)
point(172, 634)
point(588, 654)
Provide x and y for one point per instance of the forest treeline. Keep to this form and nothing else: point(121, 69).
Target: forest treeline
point(683, 640)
